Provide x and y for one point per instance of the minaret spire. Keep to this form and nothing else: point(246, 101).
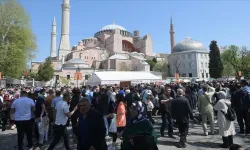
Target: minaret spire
point(53, 39)
point(172, 34)
point(64, 47)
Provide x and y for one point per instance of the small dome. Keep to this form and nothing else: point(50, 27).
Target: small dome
point(117, 57)
point(113, 27)
point(189, 45)
point(75, 63)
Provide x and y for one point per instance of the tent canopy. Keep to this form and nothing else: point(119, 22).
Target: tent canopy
point(114, 77)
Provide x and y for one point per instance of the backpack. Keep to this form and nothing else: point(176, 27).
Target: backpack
point(230, 115)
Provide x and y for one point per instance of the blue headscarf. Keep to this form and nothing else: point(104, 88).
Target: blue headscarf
point(142, 112)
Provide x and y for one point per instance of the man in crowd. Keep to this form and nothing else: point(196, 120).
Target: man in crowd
point(206, 109)
point(240, 100)
point(103, 107)
point(49, 110)
point(40, 115)
point(60, 128)
point(165, 106)
point(90, 132)
point(181, 111)
point(22, 109)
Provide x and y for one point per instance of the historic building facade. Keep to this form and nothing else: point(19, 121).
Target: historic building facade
point(112, 48)
point(189, 58)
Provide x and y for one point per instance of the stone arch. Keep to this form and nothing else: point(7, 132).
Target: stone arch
point(128, 46)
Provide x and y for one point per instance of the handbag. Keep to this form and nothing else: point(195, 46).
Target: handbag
point(113, 127)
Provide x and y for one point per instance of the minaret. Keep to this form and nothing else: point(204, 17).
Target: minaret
point(53, 39)
point(64, 47)
point(172, 34)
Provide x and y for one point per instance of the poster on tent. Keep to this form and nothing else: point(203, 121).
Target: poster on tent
point(125, 83)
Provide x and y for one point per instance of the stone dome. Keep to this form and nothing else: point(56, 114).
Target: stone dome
point(189, 45)
point(75, 63)
point(113, 27)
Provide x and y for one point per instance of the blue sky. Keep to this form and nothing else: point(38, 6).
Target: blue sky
point(226, 21)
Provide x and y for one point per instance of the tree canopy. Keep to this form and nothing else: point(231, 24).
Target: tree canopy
point(238, 58)
point(17, 41)
point(215, 64)
point(228, 68)
point(151, 63)
point(45, 71)
point(162, 66)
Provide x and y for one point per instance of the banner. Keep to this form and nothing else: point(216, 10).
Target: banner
point(78, 76)
point(177, 76)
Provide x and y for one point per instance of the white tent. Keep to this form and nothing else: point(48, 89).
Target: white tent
point(114, 77)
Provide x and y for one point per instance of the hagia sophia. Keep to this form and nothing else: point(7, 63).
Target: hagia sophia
point(113, 48)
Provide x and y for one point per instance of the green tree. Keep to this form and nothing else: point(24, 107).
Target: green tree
point(228, 68)
point(17, 41)
point(215, 64)
point(154, 60)
point(45, 71)
point(162, 66)
point(151, 63)
point(238, 58)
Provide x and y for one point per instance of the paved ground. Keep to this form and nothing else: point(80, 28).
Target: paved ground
point(196, 140)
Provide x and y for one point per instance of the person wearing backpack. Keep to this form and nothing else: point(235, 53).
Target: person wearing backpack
point(225, 121)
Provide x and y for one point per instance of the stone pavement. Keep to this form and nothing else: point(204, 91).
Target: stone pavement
point(196, 140)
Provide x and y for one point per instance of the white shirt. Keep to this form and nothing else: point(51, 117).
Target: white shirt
point(61, 108)
point(1, 99)
point(150, 105)
point(22, 107)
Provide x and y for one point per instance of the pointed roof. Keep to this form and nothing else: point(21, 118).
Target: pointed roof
point(171, 19)
point(54, 21)
point(171, 24)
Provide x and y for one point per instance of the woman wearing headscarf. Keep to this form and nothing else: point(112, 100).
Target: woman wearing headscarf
point(226, 127)
point(139, 133)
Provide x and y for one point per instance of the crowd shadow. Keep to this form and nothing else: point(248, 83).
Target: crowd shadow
point(168, 143)
point(204, 144)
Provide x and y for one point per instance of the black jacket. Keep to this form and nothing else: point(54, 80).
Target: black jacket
point(96, 131)
point(164, 108)
point(103, 104)
point(240, 100)
point(181, 110)
point(130, 98)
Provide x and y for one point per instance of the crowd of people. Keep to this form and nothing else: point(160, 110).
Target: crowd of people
point(125, 113)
